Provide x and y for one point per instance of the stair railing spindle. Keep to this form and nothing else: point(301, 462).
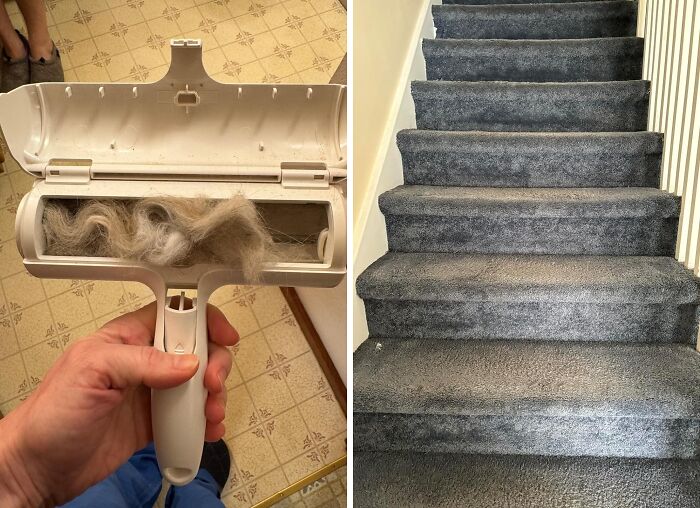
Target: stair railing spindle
point(670, 98)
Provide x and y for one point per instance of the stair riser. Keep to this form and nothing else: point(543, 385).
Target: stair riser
point(540, 109)
point(499, 61)
point(531, 321)
point(543, 22)
point(571, 166)
point(529, 435)
point(636, 236)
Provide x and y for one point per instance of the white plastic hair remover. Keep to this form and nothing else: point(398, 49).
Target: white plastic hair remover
point(281, 146)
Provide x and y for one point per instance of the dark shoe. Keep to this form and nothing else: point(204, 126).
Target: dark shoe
point(45, 71)
point(15, 71)
point(216, 459)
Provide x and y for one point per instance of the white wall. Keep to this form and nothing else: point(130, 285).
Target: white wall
point(327, 309)
point(384, 45)
point(387, 57)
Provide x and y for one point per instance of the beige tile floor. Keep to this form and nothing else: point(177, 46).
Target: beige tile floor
point(291, 41)
point(283, 421)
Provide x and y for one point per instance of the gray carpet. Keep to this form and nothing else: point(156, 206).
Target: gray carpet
point(531, 107)
point(421, 480)
point(497, 2)
point(540, 21)
point(471, 296)
point(609, 59)
point(525, 159)
point(532, 338)
point(545, 398)
point(604, 221)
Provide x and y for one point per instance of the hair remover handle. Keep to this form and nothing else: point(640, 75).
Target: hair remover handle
point(177, 413)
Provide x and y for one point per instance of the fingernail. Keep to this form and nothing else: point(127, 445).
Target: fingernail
point(185, 362)
point(222, 379)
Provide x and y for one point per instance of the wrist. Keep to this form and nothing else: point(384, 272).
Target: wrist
point(18, 487)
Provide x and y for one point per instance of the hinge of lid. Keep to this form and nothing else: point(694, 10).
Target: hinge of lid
point(73, 171)
point(305, 175)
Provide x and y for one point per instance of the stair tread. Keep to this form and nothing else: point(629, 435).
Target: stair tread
point(536, 21)
point(529, 202)
point(530, 6)
point(528, 278)
point(499, 2)
point(385, 479)
point(549, 60)
point(530, 159)
point(608, 88)
point(551, 378)
point(430, 136)
point(429, 140)
point(528, 106)
point(450, 45)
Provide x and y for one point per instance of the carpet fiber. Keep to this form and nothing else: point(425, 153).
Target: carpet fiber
point(483, 481)
point(531, 159)
point(532, 339)
point(568, 20)
point(610, 59)
point(532, 107)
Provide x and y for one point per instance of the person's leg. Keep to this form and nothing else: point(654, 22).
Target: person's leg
point(11, 43)
point(202, 492)
point(14, 61)
point(44, 59)
point(135, 484)
point(205, 490)
point(34, 14)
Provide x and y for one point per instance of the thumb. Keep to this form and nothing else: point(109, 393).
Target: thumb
point(129, 365)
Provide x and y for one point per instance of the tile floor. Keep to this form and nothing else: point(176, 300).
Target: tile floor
point(291, 41)
point(283, 421)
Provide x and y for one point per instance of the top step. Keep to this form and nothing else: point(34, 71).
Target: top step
point(577, 20)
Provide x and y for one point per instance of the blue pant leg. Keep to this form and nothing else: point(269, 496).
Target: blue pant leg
point(136, 483)
point(202, 492)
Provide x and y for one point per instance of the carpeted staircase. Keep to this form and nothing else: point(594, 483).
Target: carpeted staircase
point(532, 338)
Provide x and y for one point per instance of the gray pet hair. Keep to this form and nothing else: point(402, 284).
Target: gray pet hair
point(163, 231)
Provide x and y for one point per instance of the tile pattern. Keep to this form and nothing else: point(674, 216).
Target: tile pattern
point(283, 421)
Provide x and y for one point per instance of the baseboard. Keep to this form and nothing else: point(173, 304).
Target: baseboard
point(317, 347)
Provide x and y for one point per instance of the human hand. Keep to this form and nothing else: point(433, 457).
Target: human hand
point(92, 410)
